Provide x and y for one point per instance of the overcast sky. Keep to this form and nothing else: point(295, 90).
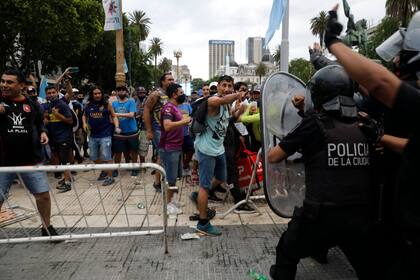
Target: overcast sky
point(188, 25)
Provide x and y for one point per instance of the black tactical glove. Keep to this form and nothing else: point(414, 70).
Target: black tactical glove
point(333, 29)
point(372, 129)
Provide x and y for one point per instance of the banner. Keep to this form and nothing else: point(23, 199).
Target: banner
point(276, 16)
point(113, 17)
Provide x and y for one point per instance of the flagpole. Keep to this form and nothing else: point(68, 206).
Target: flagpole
point(119, 42)
point(284, 53)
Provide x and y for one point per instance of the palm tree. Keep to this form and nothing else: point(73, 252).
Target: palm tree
point(155, 50)
point(402, 9)
point(165, 65)
point(277, 54)
point(318, 26)
point(261, 70)
point(139, 19)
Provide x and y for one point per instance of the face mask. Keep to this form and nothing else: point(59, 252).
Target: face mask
point(122, 95)
point(52, 98)
point(141, 98)
point(80, 99)
point(180, 99)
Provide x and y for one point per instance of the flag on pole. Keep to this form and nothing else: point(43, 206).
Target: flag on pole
point(276, 17)
point(125, 66)
point(113, 17)
point(42, 86)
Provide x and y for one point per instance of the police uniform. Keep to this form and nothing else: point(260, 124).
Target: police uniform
point(407, 210)
point(336, 154)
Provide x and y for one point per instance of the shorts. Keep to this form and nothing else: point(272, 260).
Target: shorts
point(143, 143)
point(125, 143)
point(100, 148)
point(188, 144)
point(155, 143)
point(62, 149)
point(36, 182)
point(209, 167)
point(171, 161)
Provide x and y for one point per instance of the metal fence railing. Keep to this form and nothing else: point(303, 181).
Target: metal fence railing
point(89, 210)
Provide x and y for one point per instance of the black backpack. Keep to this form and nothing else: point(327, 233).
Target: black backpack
point(199, 114)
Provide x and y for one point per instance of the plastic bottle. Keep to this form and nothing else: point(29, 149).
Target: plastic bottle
point(256, 276)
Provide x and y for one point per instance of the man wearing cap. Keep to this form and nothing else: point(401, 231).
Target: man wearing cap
point(212, 88)
point(127, 141)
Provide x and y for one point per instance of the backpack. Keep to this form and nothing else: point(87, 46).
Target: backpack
point(199, 114)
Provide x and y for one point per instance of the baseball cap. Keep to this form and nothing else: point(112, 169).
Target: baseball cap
point(213, 84)
point(141, 89)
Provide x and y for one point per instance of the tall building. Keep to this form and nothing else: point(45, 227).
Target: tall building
point(218, 50)
point(254, 49)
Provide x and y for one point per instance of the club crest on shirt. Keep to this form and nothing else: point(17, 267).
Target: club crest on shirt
point(26, 108)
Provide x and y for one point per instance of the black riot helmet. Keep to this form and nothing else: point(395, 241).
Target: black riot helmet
point(331, 89)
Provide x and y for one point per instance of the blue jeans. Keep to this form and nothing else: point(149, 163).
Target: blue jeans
point(35, 182)
point(209, 167)
point(171, 161)
point(100, 148)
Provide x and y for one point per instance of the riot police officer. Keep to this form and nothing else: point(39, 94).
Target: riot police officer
point(336, 155)
point(404, 100)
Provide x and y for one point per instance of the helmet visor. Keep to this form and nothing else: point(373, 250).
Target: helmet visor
point(391, 47)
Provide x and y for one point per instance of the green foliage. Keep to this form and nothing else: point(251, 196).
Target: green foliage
point(197, 83)
point(52, 31)
point(261, 70)
point(141, 22)
point(383, 31)
point(318, 26)
point(277, 54)
point(165, 65)
point(402, 10)
point(301, 68)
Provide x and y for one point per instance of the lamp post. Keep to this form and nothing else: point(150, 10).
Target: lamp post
point(178, 55)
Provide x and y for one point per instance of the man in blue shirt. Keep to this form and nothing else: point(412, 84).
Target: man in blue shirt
point(127, 141)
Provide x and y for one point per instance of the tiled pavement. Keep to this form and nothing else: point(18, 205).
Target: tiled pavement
point(248, 241)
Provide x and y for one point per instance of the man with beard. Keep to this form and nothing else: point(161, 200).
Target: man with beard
point(127, 141)
point(140, 99)
point(22, 134)
point(151, 115)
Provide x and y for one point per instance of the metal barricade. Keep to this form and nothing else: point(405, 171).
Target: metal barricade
point(88, 211)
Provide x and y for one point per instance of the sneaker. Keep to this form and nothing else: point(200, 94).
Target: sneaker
point(219, 189)
point(108, 181)
point(60, 182)
point(57, 175)
point(244, 209)
point(51, 230)
point(173, 210)
point(64, 188)
point(186, 172)
point(115, 173)
point(213, 197)
point(208, 229)
point(102, 176)
point(211, 213)
point(158, 187)
point(134, 173)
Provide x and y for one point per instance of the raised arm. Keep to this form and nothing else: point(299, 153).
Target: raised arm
point(380, 82)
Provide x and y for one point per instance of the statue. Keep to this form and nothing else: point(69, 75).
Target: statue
point(356, 34)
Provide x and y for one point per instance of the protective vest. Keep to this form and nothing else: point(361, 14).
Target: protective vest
point(338, 174)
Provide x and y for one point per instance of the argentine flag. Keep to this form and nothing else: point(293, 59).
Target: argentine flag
point(276, 17)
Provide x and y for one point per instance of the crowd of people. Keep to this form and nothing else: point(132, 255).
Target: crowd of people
point(358, 138)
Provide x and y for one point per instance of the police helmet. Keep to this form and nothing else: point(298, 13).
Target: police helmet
point(328, 83)
point(406, 43)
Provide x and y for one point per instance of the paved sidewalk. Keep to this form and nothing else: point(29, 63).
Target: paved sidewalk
point(248, 241)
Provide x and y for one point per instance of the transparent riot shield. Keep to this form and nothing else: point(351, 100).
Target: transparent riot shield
point(284, 183)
